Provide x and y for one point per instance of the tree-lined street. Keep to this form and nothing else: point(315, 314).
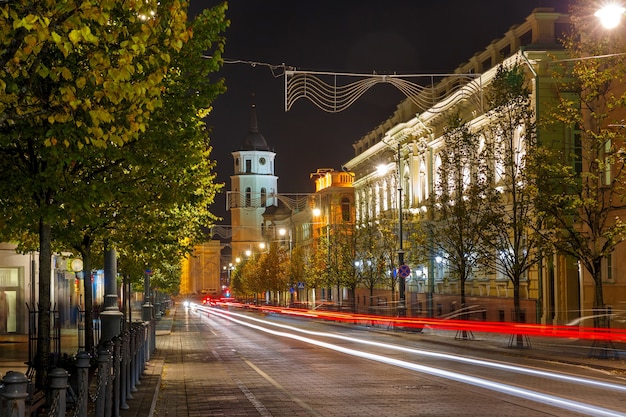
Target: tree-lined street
point(220, 362)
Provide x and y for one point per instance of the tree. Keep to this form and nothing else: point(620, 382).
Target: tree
point(297, 269)
point(77, 80)
point(458, 206)
point(585, 194)
point(511, 131)
point(369, 268)
point(348, 265)
point(315, 266)
point(273, 270)
point(387, 250)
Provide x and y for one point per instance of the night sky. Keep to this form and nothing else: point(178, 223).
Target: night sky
point(392, 36)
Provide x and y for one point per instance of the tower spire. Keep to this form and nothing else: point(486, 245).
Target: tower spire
point(254, 126)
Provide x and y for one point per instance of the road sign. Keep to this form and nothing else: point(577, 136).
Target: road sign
point(300, 285)
point(404, 270)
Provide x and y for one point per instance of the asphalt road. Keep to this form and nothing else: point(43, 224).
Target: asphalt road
point(238, 363)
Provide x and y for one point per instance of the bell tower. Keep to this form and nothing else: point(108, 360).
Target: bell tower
point(253, 188)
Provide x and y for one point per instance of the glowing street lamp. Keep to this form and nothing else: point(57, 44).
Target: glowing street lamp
point(610, 15)
point(382, 170)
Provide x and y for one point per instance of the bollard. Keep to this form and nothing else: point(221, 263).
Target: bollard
point(14, 394)
point(104, 359)
point(83, 363)
point(58, 391)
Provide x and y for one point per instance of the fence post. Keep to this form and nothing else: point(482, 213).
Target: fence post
point(117, 348)
point(103, 377)
point(14, 393)
point(146, 340)
point(124, 370)
point(109, 377)
point(58, 390)
point(83, 363)
point(134, 354)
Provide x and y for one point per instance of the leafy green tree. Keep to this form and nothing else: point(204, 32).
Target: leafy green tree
point(166, 278)
point(297, 268)
point(584, 184)
point(78, 81)
point(273, 270)
point(369, 269)
point(511, 236)
point(347, 255)
point(315, 265)
point(387, 251)
point(256, 275)
point(458, 206)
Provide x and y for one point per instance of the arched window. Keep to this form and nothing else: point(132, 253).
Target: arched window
point(500, 156)
point(384, 197)
point(437, 175)
point(520, 148)
point(423, 190)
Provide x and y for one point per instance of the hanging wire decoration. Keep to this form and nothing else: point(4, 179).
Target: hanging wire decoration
point(326, 92)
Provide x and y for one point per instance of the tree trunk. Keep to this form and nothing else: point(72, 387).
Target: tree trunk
point(464, 333)
point(42, 359)
point(598, 300)
point(600, 315)
point(462, 281)
point(519, 338)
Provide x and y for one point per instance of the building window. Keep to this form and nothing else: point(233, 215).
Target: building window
point(506, 51)
point(526, 39)
point(607, 162)
point(578, 153)
point(248, 166)
point(345, 210)
point(437, 175)
point(248, 197)
point(609, 267)
point(263, 197)
point(486, 64)
point(423, 190)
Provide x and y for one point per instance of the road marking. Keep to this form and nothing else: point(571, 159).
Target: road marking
point(537, 396)
point(250, 396)
point(280, 387)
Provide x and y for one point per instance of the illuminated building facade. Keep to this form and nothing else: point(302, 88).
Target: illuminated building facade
point(555, 290)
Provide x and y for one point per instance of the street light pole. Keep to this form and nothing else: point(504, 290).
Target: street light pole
point(401, 281)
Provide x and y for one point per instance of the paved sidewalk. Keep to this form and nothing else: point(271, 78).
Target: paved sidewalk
point(144, 399)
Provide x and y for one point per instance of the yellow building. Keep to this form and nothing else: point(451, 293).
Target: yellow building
point(201, 270)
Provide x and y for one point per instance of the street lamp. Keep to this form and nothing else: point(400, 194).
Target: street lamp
point(610, 15)
point(399, 275)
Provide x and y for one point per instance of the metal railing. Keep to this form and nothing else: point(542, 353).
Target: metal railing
point(96, 385)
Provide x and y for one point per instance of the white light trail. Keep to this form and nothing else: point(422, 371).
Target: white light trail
point(551, 400)
point(448, 356)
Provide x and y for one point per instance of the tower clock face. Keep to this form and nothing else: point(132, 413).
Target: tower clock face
point(262, 161)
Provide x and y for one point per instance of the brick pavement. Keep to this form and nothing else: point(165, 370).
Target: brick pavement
point(170, 383)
